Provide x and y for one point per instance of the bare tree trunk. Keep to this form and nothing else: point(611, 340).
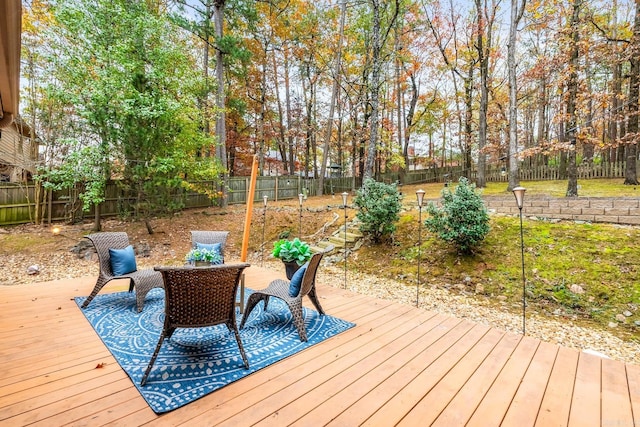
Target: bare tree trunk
point(204, 102)
point(543, 125)
point(572, 167)
point(287, 155)
point(409, 120)
point(262, 113)
point(375, 91)
point(221, 131)
point(334, 93)
point(308, 92)
point(400, 107)
point(616, 89)
point(614, 121)
point(587, 147)
point(517, 9)
point(314, 140)
point(287, 95)
point(483, 59)
point(468, 120)
point(97, 224)
point(630, 174)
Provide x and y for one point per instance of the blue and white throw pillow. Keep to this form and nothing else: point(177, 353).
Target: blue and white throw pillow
point(213, 247)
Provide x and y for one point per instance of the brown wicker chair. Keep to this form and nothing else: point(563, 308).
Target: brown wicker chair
point(210, 237)
point(197, 297)
point(280, 288)
point(143, 280)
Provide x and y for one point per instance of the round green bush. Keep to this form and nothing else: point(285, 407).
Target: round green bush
point(462, 220)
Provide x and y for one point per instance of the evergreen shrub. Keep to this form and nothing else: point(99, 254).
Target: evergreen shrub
point(462, 220)
point(378, 207)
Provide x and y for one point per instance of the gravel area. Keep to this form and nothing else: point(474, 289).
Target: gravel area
point(563, 333)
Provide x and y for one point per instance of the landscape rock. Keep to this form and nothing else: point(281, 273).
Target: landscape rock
point(83, 249)
point(576, 289)
point(142, 250)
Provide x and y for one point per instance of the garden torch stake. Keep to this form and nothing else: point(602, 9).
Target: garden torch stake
point(300, 196)
point(344, 203)
point(420, 196)
point(519, 193)
point(264, 223)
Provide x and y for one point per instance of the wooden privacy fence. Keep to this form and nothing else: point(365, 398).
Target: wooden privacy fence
point(551, 173)
point(17, 202)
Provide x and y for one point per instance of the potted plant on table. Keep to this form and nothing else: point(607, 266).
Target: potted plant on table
point(293, 253)
point(203, 257)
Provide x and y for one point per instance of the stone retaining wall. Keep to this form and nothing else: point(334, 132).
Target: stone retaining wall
point(592, 209)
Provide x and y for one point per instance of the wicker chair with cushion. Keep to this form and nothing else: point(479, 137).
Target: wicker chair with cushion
point(291, 292)
point(114, 251)
point(204, 237)
point(209, 238)
point(198, 297)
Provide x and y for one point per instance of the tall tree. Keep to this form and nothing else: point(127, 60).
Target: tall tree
point(121, 70)
point(334, 96)
point(221, 132)
point(376, 63)
point(379, 37)
point(517, 11)
point(631, 174)
point(484, 37)
point(456, 49)
point(572, 87)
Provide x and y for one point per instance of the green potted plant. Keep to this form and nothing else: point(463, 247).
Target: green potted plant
point(293, 253)
point(201, 257)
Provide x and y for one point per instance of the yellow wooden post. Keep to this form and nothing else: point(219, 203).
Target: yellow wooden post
point(247, 218)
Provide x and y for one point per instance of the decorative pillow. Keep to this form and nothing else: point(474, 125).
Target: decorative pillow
point(213, 247)
point(296, 281)
point(123, 261)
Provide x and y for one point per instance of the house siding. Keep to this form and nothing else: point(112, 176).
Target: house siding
point(16, 154)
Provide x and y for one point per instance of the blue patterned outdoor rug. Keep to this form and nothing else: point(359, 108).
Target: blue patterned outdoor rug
point(195, 362)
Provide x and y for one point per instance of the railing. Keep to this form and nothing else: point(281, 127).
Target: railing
point(17, 202)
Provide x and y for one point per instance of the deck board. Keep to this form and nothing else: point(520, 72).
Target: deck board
point(614, 400)
point(586, 401)
point(394, 410)
point(496, 400)
point(633, 380)
point(356, 383)
point(556, 403)
point(460, 409)
point(442, 394)
point(398, 366)
point(526, 402)
point(254, 405)
point(435, 343)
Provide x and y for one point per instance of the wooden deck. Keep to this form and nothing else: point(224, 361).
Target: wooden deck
point(398, 366)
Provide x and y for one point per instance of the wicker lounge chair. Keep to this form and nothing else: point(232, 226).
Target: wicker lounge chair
point(197, 297)
point(209, 237)
point(280, 288)
point(143, 280)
